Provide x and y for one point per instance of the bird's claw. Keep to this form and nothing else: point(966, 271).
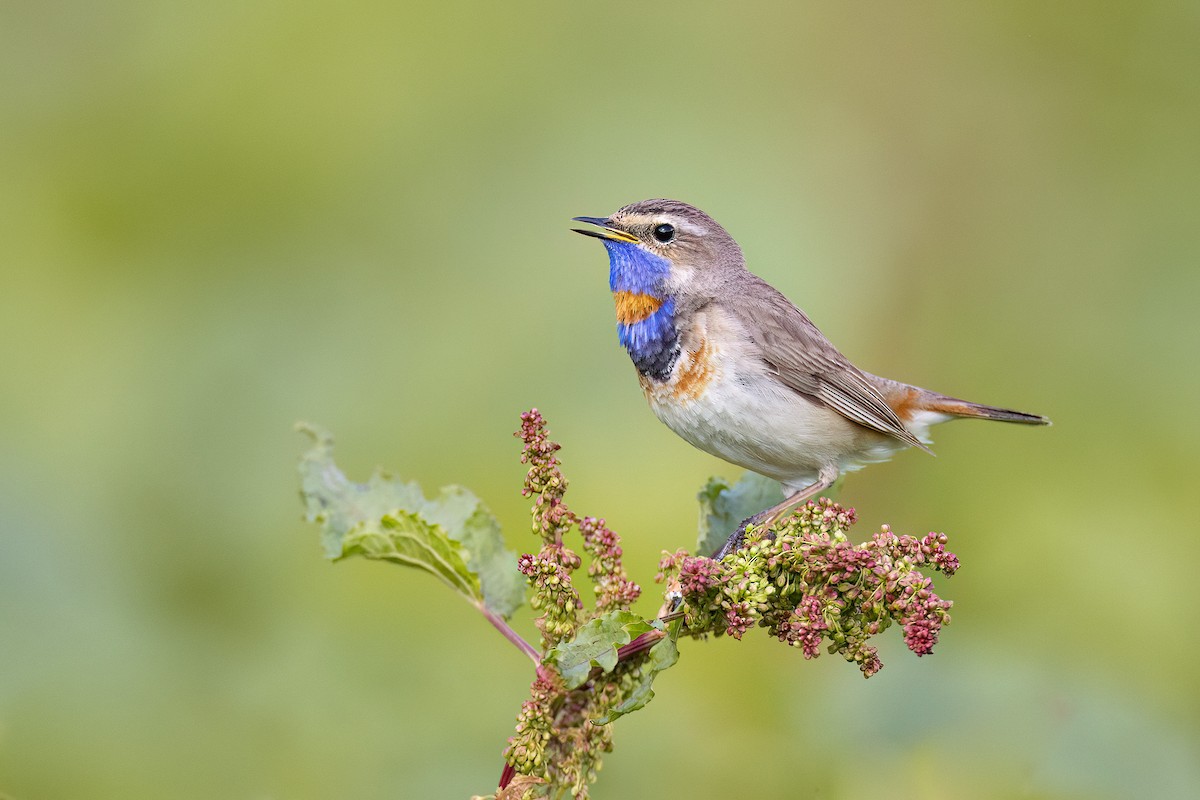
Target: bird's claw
point(672, 600)
point(734, 542)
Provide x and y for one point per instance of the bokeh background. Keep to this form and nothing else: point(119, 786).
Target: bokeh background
point(219, 218)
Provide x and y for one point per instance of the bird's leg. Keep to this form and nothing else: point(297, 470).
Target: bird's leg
point(770, 516)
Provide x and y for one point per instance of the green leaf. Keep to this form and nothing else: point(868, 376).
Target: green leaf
point(405, 538)
point(452, 536)
point(723, 507)
point(595, 645)
point(662, 656)
point(338, 505)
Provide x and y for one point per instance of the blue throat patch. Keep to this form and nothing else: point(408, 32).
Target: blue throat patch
point(653, 342)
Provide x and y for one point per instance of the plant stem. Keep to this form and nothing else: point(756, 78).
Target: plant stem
point(640, 645)
point(499, 623)
point(506, 775)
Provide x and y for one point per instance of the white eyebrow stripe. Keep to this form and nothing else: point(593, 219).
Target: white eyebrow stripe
point(651, 220)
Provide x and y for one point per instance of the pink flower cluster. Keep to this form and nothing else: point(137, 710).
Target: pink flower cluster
point(614, 589)
point(810, 587)
point(535, 722)
point(554, 740)
point(805, 627)
point(929, 550)
point(550, 570)
point(544, 481)
point(696, 574)
point(549, 573)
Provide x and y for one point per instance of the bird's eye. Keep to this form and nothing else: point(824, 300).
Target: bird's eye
point(664, 233)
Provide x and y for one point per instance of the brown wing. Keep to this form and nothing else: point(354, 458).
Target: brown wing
point(809, 363)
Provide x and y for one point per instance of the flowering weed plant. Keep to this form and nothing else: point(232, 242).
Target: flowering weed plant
point(802, 581)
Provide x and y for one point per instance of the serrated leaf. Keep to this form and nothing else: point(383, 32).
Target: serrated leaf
point(723, 506)
point(503, 586)
point(595, 645)
point(336, 503)
point(406, 538)
point(452, 536)
point(662, 656)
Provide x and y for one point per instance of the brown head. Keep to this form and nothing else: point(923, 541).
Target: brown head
point(701, 254)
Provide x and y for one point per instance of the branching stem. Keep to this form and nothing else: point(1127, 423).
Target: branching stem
point(499, 623)
point(640, 645)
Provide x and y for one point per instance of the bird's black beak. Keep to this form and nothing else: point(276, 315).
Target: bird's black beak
point(606, 232)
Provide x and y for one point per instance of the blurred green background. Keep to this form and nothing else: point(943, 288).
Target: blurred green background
point(219, 218)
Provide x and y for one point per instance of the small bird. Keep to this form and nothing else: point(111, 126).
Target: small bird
point(734, 368)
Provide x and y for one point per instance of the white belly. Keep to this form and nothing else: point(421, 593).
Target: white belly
point(733, 408)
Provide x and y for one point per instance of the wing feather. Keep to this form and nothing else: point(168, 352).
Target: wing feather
point(797, 351)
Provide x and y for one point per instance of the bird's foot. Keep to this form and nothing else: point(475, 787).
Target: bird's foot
point(734, 542)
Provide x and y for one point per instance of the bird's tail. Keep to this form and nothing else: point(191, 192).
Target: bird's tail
point(952, 406)
point(920, 408)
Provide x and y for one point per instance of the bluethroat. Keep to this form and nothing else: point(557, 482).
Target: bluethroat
point(732, 366)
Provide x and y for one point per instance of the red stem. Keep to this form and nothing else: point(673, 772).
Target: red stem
point(632, 650)
point(507, 775)
point(640, 645)
point(508, 633)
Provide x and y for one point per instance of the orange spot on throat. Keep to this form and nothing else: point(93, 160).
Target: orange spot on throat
point(634, 306)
